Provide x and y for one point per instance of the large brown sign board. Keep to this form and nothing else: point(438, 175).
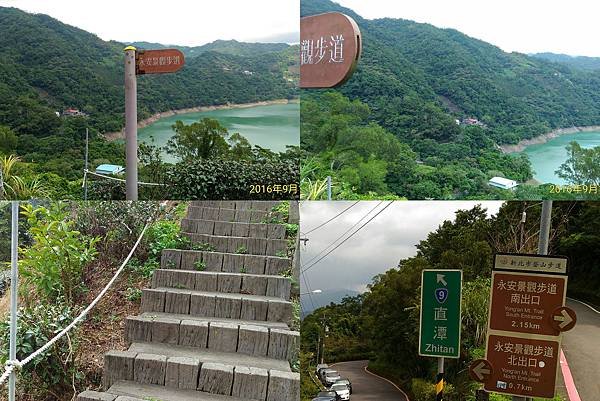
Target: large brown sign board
point(522, 366)
point(330, 47)
point(526, 317)
point(158, 61)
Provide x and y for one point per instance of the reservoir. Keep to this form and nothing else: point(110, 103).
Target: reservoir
point(547, 157)
point(269, 126)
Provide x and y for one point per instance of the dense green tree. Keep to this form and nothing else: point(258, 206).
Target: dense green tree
point(582, 167)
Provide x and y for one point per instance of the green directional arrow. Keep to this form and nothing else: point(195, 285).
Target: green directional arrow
point(439, 333)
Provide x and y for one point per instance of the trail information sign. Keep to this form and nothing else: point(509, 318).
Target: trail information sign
point(158, 61)
point(439, 332)
point(526, 317)
point(330, 47)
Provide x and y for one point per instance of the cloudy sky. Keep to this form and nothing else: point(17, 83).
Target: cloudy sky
point(180, 22)
point(379, 246)
point(569, 27)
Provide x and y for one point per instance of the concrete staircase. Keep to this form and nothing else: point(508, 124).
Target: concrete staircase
point(215, 323)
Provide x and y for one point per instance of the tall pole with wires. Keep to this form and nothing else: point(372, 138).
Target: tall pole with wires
point(87, 149)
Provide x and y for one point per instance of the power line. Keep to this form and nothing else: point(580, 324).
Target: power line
point(347, 238)
point(343, 234)
point(309, 290)
point(331, 219)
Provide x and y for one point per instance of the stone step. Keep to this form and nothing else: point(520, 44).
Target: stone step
point(240, 283)
point(238, 245)
point(216, 304)
point(232, 228)
point(272, 325)
point(237, 205)
point(187, 369)
point(229, 215)
point(230, 337)
point(132, 391)
point(177, 259)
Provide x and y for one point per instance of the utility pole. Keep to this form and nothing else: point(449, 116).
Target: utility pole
point(318, 345)
point(543, 241)
point(87, 140)
point(328, 187)
point(14, 287)
point(131, 159)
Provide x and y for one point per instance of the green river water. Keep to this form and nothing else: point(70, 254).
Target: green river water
point(547, 157)
point(272, 126)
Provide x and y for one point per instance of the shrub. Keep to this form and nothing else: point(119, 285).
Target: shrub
point(54, 263)
point(229, 179)
point(54, 371)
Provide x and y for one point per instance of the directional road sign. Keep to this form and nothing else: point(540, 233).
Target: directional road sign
point(526, 317)
point(441, 292)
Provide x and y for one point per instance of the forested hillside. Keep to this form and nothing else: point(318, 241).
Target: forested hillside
point(47, 67)
point(453, 99)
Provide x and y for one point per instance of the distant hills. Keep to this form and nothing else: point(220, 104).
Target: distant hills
point(579, 62)
point(232, 47)
point(47, 66)
point(325, 298)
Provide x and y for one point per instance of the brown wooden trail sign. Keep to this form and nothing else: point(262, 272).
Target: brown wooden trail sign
point(158, 61)
point(525, 321)
point(330, 47)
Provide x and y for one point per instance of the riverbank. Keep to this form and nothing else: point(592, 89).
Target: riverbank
point(519, 147)
point(112, 136)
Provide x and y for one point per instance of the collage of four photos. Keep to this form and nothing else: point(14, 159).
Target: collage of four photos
point(299, 200)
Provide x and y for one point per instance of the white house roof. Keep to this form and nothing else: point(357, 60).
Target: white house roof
point(502, 182)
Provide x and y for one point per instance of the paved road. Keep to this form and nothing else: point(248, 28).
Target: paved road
point(365, 386)
point(581, 346)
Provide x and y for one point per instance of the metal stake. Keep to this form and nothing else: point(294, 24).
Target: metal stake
point(329, 187)
point(14, 285)
point(131, 159)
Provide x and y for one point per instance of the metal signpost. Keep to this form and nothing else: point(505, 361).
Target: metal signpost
point(440, 321)
point(330, 47)
point(526, 317)
point(139, 63)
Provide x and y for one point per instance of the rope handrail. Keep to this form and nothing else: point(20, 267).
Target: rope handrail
point(120, 179)
point(10, 366)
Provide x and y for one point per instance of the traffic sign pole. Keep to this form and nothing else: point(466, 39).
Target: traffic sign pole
point(439, 380)
point(544, 238)
point(131, 159)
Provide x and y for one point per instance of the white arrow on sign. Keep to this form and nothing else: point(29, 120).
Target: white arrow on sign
point(564, 320)
point(480, 370)
point(440, 279)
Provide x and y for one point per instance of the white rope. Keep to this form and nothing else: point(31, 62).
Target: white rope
point(11, 365)
point(120, 179)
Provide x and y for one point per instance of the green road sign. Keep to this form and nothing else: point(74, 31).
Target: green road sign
point(439, 332)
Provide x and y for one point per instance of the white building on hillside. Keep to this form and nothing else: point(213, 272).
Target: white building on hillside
point(502, 183)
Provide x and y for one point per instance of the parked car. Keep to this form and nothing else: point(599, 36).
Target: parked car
point(323, 372)
point(342, 390)
point(329, 393)
point(346, 382)
point(325, 398)
point(331, 377)
point(321, 366)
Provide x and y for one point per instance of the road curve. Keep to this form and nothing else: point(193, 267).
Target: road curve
point(581, 346)
point(365, 386)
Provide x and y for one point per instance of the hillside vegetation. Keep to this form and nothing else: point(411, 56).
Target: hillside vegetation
point(421, 83)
